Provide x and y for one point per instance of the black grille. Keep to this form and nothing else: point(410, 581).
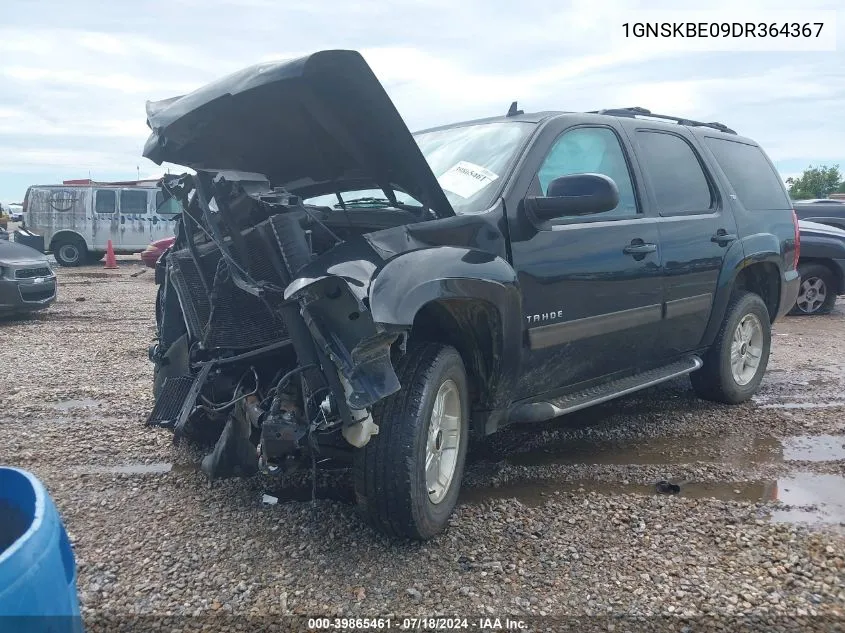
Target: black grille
point(29, 273)
point(240, 320)
point(170, 400)
point(34, 296)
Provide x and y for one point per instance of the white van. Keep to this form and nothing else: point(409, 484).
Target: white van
point(78, 218)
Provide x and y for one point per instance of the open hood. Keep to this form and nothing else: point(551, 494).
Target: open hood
point(314, 125)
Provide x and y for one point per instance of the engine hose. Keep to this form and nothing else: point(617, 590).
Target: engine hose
point(292, 243)
point(295, 252)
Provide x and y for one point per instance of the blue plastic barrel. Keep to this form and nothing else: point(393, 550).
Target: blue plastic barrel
point(37, 567)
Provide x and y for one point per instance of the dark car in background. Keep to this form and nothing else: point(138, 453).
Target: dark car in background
point(27, 282)
point(822, 268)
point(822, 211)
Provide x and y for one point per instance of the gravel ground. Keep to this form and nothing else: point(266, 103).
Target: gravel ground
point(559, 519)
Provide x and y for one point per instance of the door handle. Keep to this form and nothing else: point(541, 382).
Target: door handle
point(639, 249)
point(723, 238)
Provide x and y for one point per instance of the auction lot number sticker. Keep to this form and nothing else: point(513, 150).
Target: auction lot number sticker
point(466, 179)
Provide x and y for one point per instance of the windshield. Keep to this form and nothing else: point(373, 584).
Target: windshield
point(468, 162)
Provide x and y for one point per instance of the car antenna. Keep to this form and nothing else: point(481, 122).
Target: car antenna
point(513, 111)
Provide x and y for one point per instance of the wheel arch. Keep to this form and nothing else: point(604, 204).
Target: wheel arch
point(464, 298)
point(66, 234)
point(836, 271)
point(756, 265)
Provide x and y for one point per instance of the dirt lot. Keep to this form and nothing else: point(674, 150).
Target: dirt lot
point(559, 519)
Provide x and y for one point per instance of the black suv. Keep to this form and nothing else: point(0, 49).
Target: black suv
point(341, 289)
point(822, 211)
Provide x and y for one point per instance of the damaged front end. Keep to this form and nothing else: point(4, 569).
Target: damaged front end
point(269, 364)
point(266, 341)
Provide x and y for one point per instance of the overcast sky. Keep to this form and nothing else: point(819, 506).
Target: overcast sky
point(74, 76)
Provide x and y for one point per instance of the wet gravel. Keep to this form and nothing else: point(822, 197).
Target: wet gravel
point(558, 519)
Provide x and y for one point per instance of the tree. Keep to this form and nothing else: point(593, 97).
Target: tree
point(816, 182)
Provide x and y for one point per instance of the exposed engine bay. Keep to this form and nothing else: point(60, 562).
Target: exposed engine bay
point(255, 352)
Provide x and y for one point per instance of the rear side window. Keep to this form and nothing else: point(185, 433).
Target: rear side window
point(675, 173)
point(133, 202)
point(171, 206)
point(752, 177)
point(105, 201)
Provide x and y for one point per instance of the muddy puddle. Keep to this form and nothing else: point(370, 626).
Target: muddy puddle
point(804, 497)
point(807, 497)
point(75, 403)
point(155, 468)
point(730, 449)
point(804, 405)
point(814, 448)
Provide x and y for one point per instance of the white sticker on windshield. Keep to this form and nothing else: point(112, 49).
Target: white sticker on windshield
point(466, 179)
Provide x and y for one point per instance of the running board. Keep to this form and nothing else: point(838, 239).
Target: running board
point(541, 411)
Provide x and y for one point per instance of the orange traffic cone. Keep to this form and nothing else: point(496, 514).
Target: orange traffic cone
point(111, 261)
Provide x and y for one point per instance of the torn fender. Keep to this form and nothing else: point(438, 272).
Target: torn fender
point(409, 282)
point(356, 306)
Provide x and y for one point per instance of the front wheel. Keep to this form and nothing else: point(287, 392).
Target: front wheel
point(407, 477)
point(735, 364)
point(70, 251)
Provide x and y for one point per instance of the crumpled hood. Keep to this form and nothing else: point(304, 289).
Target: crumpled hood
point(314, 125)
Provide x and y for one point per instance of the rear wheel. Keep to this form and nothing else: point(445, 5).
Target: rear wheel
point(736, 362)
point(70, 251)
point(407, 477)
point(817, 294)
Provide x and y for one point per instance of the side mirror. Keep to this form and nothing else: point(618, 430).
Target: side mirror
point(574, 195)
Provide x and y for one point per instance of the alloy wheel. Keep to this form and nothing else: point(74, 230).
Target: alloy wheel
point(443, 441)
point(746, 349)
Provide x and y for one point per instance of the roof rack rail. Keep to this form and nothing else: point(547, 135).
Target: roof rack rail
point(637, 111)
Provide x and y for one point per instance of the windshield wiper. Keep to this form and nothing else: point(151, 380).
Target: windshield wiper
point(365, 202)
point(375, 203)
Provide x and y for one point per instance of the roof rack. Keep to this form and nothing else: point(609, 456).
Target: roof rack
point(637, 111)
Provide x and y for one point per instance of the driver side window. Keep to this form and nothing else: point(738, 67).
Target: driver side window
point(593, 150)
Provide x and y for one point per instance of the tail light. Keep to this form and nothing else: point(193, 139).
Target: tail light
point(797, 240)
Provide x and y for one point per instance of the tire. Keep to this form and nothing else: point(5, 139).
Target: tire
point(715, 380)
point(817, 294)
point(70, 251)
point(390, 471)
point(159, 308)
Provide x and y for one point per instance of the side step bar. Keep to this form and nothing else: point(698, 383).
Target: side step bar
point(541, 411)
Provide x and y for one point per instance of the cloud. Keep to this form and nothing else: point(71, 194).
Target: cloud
point(74, 80)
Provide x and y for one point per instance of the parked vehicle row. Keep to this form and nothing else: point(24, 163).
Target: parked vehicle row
point(16, 212)
point(77, 220)
point(27, 282)
point(822, 268)
point(822, 211)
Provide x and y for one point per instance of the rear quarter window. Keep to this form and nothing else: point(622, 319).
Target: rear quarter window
point(754, 180)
